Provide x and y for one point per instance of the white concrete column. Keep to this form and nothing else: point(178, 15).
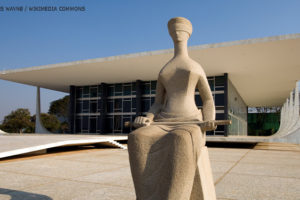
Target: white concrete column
point(283, 119)
point(39, 128)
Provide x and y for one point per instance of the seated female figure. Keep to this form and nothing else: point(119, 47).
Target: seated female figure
point(163, 158)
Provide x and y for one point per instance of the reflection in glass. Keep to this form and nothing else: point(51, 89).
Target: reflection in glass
point(117, 123)
point(94, 92)
point(86, 91)
point(127, 90)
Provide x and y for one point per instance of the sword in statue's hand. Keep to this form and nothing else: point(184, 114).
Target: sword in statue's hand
point(202, 124)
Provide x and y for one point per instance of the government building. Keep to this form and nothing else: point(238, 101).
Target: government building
point(107, 92)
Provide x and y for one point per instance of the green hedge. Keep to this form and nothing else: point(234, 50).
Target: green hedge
point(263, 124)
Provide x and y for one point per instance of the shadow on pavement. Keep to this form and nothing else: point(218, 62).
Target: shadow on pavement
point(238, 145)
point(20, 195)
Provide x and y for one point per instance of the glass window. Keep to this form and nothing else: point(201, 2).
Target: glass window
point(110, 106)
point(93, 107)
point(220, 128)
point(118, 105)
point(99, 106)
point(78, 125)
point(220, 116)
point(111, 90)
point(99, 90)
point(220, 80)
point(99, 123)
point(117, 122)
point(219, 99)
point(219, 88)
point(152, 100)
point(86, 106)
point(86, 91)
point(118, 89)
point(133, 88)
point(94, 92)
point(153, 87)
point(145, 104)
point(146, 88)
point(93, 125)
point(79, 107)
point(78, 92)
point(127, 90)
point(133, 104)
point(209, 132)
point(85, 123)
point(126, 105)
point(110, 124)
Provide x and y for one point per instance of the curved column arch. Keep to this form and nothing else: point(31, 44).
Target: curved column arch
point(296, 115)
point(289, 130)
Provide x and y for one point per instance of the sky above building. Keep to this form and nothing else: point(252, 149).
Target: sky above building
point(32, 37)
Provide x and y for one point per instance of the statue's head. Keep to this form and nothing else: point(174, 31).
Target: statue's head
point(180, 29)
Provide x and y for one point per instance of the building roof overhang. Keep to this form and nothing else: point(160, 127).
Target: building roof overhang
point(263, 70)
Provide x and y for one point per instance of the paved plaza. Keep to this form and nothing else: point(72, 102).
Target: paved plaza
point(104, 174)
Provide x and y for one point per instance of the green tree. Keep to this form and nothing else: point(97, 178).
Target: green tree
point(17, 121)
point(50, 122)
point(64, 127)
point(60, 107)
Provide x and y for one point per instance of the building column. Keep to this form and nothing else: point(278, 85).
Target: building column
point(102, 125)
point(226, 102)
point(39, 128)
point(72, 111)
point(139, 91)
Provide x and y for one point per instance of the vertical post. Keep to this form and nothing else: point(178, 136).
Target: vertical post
point(226, 102)
point(39, 128)
point(72, 109)
point(139, 97)
point(103, 108)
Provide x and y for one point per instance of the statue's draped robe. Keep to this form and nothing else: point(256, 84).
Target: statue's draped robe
point(163, 159)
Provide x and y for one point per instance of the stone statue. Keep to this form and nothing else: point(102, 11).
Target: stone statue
point(163, 158)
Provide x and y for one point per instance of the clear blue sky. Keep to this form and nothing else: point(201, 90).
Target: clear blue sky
point(115, 27)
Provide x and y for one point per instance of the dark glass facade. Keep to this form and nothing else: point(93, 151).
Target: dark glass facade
point(104, 108)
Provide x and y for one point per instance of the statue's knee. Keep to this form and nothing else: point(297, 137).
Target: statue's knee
point(181, 136)
point(138, 137)
point(134, 136)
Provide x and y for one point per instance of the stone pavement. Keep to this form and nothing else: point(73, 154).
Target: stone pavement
point(104, 174)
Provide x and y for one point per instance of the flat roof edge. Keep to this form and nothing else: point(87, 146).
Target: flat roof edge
point(157, 52)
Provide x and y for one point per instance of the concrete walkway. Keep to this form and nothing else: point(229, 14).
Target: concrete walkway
point(16, 144)
point(104, 174)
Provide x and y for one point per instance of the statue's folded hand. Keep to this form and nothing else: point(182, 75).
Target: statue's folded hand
point(141, 121)
point(208, 126)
